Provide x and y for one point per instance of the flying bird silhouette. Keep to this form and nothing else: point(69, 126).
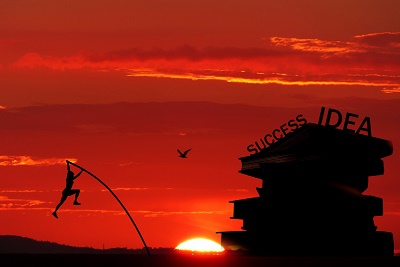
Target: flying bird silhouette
point(183, 155)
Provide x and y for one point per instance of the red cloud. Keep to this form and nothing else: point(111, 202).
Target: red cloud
point(383, 39)
point(316, 45)
point(370, 60)
point(29, 161)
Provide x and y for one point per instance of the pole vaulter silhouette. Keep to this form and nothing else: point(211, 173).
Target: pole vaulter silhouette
point(115, 196)
point(68, 191)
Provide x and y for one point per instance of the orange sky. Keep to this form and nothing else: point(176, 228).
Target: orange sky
point(117, 86)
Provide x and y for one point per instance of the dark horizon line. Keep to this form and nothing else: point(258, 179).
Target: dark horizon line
point(15, 243)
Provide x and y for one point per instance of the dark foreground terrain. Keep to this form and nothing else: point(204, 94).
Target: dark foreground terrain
point(177, 260)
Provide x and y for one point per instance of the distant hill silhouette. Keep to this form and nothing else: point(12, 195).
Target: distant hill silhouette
point(19, 244)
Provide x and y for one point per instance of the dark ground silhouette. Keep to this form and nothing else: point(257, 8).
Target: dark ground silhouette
point(176, 260)
point(22, 251)
point(11, 244)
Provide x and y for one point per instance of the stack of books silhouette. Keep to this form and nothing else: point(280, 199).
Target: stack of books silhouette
point(311, 201)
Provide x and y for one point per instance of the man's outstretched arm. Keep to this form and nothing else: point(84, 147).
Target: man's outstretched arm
point(76, 176)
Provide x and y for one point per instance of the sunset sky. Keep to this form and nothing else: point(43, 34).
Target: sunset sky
point(117, 86)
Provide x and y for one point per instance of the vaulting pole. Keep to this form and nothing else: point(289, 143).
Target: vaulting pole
point(115, 196)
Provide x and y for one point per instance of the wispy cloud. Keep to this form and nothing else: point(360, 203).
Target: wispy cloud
point(238, 190)
point(316, 45)
point(127, 189)
point(124, 164)
point(368, 60)
point(11, 207)
point(149, 213)
point(33, 205)
point(379, 42)
point(21, 191)
point(391, 90)
point(7, 203)
point(30, 161)
point(389, 40)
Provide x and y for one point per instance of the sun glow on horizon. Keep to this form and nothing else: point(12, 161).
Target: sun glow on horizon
point(200, 245)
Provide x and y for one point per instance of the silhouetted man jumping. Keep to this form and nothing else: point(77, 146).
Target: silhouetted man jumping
point(68, 191)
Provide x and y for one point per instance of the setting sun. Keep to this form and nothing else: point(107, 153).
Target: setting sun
point(200, 245)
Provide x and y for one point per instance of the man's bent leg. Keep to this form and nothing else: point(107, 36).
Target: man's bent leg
point(76, 197)
point(62, 200)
